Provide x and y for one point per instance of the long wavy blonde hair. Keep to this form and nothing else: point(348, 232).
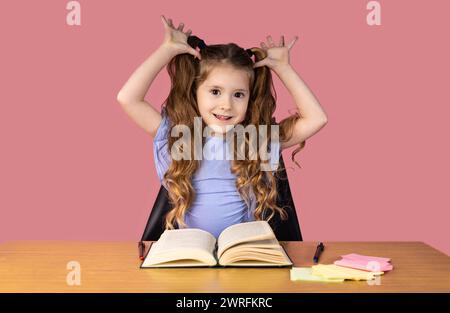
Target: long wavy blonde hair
point(186, 74)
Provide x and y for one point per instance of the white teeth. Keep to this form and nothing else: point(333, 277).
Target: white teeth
point(222, 117)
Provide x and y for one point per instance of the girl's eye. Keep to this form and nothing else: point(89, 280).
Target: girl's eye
point(213, 90)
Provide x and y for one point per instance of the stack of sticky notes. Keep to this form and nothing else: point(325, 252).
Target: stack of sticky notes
point(305, 274)
point(350, 267)
point(332, 271)
point(366, 263)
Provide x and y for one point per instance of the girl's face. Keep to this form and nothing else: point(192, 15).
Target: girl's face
point(223, 98)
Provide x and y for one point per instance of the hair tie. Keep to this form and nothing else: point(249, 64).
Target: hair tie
point(201, 44)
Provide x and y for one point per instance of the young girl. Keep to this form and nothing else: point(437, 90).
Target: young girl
point(225, 87)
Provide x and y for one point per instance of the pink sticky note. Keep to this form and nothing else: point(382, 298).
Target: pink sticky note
point(371, 266)
point(354, 256)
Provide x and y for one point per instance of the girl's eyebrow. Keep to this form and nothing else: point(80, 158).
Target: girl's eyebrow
point(218, 87)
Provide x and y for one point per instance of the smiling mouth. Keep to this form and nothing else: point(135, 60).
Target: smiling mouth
point(222, 117)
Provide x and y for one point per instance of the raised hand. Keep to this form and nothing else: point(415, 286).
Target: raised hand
point(277, 56)
point(176, 39)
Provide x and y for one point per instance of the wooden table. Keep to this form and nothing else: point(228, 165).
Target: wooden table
point(41, 266)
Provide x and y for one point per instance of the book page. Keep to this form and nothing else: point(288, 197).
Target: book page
point(243, 232)
point(182, 244)
point(178, 263)
point(256, 257)
point(266, 243)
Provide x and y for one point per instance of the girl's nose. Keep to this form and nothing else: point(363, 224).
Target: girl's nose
point(225, 106)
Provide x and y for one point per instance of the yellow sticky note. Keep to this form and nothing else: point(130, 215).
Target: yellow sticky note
point(305, 274)
point(332, 271)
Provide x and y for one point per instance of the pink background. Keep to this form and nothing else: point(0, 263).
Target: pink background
point(74, 166)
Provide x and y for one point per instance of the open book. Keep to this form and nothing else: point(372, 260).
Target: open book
point(246, 244)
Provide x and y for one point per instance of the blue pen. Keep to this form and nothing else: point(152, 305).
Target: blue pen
point(319, 250)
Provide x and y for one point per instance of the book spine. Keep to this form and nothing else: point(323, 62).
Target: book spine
point(216, 248)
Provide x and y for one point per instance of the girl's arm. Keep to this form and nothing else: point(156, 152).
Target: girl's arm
point(313, 117)
point(131, 96)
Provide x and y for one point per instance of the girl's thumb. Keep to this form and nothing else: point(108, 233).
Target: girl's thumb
point(263, 62)
point(196, 54)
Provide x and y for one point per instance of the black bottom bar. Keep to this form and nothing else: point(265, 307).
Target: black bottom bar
point(222, 302)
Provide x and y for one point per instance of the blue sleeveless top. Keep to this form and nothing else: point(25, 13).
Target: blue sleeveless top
point(217, 203)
